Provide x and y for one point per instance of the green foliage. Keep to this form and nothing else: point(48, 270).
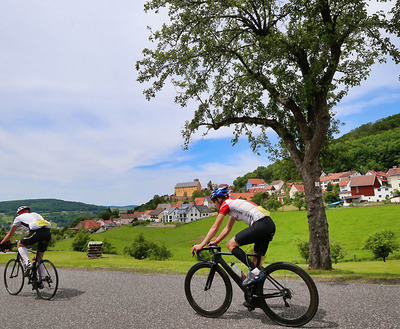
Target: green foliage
point(81, 240)
point(152, 204)
point(299, 200)
point(108, 248)
point(337, 251)
point(373, 146)
point(142, 248)
point(273, 204)
point(258, 198)
point(303, 247)
point(281, 169)
point(330, 197)
point(382, 244)
point(56, 211)
point(79, 219)
point(396, 193)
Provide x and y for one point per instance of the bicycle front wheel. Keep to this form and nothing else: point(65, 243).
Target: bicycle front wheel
point(47, 284)
point(212, 299)
point(288, 294)
point(14, 277)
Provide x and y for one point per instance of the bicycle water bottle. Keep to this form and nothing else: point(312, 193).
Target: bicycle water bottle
point(238, 271)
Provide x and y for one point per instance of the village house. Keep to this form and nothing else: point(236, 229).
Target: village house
point(170, 215)
point(394, 177)
point(277, 184)
point(296, 188)
point(124, 219)
point(89, 224)
point(156, 215)
point(382, 176)
point(363, 188)
point(335, 178)
point(255, 183)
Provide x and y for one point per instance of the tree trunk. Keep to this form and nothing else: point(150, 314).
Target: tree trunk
point(320, 255)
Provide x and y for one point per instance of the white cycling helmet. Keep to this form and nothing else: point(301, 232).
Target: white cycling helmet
point(23, 209)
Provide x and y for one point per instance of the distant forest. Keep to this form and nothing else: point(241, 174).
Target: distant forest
point(372, 146)
point(58, 211)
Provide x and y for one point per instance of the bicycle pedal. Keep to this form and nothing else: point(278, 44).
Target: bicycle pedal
point(250, 307)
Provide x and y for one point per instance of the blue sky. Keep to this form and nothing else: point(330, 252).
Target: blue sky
point(75, 125)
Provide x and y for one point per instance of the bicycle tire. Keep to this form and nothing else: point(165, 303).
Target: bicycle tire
point(14, 277)
point(296, 300)
point(212, 302)
point(49, 279)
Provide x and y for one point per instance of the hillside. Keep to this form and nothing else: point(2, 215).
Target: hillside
point(58, 211)
point(372, 146)
point(348, 226)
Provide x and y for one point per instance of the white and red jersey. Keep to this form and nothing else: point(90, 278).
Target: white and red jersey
point(31, 220)
point(243, 210)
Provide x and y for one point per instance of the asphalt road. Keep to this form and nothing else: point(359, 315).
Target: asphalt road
point(109, 299)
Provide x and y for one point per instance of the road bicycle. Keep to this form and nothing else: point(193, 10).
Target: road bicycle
point(43, 276)
point(286, 293)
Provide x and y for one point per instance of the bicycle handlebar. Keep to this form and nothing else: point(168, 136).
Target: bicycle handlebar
point(6, 246)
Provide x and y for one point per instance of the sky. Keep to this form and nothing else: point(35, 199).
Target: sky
point(75, 125)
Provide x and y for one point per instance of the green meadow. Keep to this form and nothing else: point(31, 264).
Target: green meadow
point(348, 226)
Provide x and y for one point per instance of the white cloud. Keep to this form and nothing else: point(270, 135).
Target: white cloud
point(74, 123)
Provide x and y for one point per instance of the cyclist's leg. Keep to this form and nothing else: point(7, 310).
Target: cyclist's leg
point(234, 247)
point(26, 241)
point(260, 233)
point(45, 237)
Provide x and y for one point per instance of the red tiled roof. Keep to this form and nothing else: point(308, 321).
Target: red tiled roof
point(299, 188)
point(88, 224)
point(247, 195)
point(393, 172)
point(256, 181)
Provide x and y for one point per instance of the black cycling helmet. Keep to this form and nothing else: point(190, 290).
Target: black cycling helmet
point(220, 192)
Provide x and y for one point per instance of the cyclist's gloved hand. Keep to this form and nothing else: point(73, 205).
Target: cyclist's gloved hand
point(196, 248)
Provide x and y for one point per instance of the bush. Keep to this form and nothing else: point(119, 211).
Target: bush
point(337, 251)
point(303, 247)
point(81, 240)
point(108, 248)
point(142, 248)
point(382, 244)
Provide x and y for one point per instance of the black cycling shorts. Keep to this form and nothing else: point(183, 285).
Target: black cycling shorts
point(260, 233)
point(42, 236)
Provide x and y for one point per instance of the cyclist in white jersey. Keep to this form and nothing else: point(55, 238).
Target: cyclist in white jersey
point(39, 231)
point(260, 231)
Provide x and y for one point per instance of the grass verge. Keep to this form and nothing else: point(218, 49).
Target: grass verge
point(377, 272)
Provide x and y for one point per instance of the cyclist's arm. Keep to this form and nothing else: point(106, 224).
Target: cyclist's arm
point(225, 231)
point(211, 233)
point(9, 234)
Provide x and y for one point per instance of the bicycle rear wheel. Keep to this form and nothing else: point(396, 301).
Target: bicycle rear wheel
point(212, 301)
point(14, 277)
point(47, 284)
point(288, 294)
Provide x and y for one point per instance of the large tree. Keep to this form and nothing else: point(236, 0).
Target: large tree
point(258, 64)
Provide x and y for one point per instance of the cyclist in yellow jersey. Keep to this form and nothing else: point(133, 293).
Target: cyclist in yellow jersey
point(260, 231)
point(39, 231)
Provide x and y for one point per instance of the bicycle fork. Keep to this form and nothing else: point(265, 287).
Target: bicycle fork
point(210, 277)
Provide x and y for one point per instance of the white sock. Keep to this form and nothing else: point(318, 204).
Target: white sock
point(24, 254)
point(256, 271)
point(41, 271)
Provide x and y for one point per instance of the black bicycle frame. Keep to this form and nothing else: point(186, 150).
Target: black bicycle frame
point(218, 260)
point(249, 291)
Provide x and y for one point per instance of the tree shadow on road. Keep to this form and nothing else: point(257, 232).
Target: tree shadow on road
point(317, 322)
point(64, 294)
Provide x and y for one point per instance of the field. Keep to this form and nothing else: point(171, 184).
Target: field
point(350, 227)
